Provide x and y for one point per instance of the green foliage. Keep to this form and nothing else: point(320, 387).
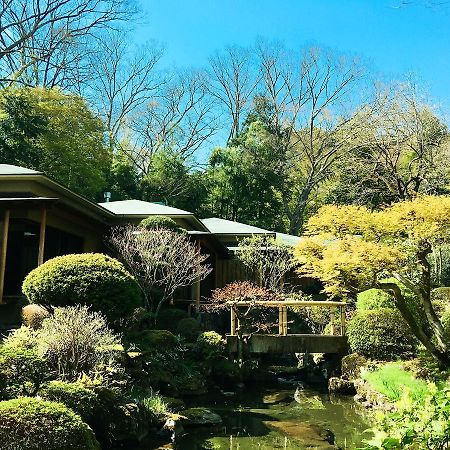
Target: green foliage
point(392, 380)
point(440, 298)
point(87, 279)
point(153, 340)
point(418, 424)
point(158, 222)
point(23, 337)
point(170, 180)
point(123, 179)
point(77, 341)
point(22, 371)
point(168, 318)
point(33, 424)
point(155, 407)
point(210, 344)
point(380, 334)
point(54, 132)
point(189, 328)
point(351, 365)
point(75, 396)
point(243, 180)
point(445, 320)
point(374, 299)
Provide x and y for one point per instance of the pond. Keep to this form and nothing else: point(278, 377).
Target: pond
point(265, 418)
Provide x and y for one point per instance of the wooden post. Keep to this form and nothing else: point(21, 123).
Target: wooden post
point(285, 321)
point(4, 249)
point(233, 323)
point(333, 328)
point(42, 236)
point(280, 320)
point(343, 319)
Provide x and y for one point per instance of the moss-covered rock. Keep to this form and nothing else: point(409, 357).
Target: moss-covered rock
point(200, 417)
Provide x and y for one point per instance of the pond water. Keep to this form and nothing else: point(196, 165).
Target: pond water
point(266, 418)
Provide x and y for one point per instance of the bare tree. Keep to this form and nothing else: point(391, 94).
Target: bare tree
point(162, 261)
point(33, 31)
point(180, 118)
point(233, 82)
point(123, 79)
point(267, 259)
point(405, 145)
point(307, 98)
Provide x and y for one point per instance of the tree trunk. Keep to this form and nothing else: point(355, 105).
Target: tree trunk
point(439, 354)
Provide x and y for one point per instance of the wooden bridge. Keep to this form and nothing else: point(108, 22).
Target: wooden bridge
point(283, 342)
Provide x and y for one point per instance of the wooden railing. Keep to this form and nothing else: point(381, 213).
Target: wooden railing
point(335, 307)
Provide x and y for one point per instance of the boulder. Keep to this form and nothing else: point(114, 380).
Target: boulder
point(338, 385)
point(278, 397)
point(200, 417)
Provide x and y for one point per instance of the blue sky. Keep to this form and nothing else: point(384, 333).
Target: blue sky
point(394, 39)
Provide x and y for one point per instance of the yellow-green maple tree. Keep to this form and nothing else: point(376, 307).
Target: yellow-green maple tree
point(350, 249)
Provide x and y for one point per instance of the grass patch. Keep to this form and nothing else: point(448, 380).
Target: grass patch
point(393, 381)
point(155, 406)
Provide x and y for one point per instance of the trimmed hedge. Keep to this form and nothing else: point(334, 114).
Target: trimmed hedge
point(75, 396)
point(374, 299)
point(158, 222)
point(22, 371)
point(380, 334)
point(33, 424)
point(189, 328)
point(91, 279)
point(210, 344)
point(169, 318)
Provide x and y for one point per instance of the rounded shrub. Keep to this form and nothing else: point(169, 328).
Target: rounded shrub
point(75, 396)
point(445, 320)
point(169, 318)
point(88, 279)
point(22, 371)
point(33, 315)
point(34, 424)
point(160, 222)
point(210, 344)
point(189, 328)
point(153, 340)
point(374, 299)
point(380, 334)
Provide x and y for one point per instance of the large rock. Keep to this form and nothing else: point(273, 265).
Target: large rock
point(371, 398)
point(278, 397)
point(351, 366)
point(338, 385)
point(199, 417)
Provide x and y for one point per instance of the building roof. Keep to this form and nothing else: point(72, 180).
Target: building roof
point(288, 239)
point(9, 169)
point(223, 226)
point(141, 208)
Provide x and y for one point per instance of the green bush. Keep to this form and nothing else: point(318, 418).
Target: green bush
point(381, 334)
point(440, 298)
point(87, 279)
point(189, 328)
point(155, 407)
point(22, 371)
point(168, 319)
point(210, 344)
point(153, 340)
point(158, 222)
point(445, 320)
point(33, 315)
point(23, 337)
point(74, 395)
point(374, 299)
point(33, 424)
